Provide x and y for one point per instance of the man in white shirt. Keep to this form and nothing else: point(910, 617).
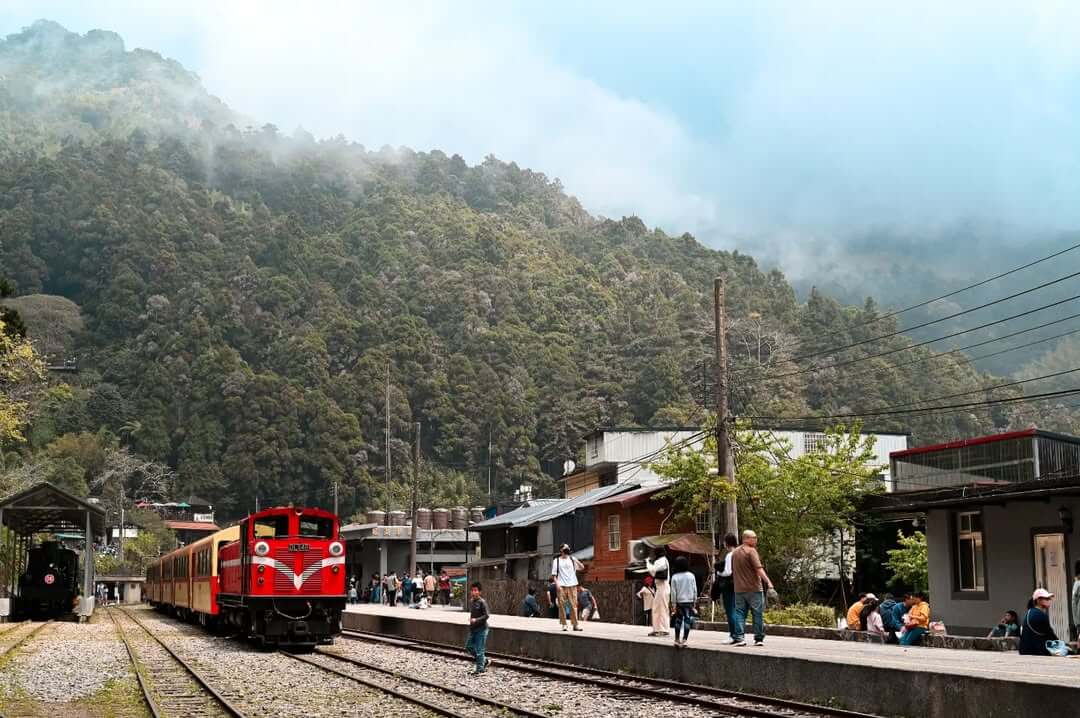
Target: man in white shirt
point(564, 573)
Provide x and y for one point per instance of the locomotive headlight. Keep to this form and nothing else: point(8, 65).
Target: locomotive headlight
point(336, 549)
point(262, 548)
point(335, 569)
point(261, 568)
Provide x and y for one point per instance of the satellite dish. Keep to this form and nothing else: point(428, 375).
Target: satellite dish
point(568, 467)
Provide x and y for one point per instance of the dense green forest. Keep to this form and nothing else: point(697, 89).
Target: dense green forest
point(236, 296)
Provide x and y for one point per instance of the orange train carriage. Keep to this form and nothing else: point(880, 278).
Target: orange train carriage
point(279, 576)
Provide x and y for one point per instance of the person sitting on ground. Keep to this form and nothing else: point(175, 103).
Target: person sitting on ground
point(1036, 629)
point(918, 622)
point(552, 600)
point(530, 608)
point(684, 591)
point(855, 610)
point(1008, 627)
point(890, 620)
point(870, 618)
point(590, 609)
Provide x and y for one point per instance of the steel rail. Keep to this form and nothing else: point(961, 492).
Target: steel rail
point(199, 678)
point(150, 702)
point(18, 644)
point(415, 700)
point(691, 693)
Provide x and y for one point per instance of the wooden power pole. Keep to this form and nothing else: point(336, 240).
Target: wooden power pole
point(415, 499)
point(725, 461)
point(386, 463)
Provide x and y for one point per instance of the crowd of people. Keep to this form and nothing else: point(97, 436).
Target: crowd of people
point(421, 590)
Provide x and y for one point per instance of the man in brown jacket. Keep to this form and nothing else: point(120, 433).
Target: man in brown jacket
point(749, 576)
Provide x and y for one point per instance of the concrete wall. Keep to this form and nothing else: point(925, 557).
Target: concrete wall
point(1010, 563)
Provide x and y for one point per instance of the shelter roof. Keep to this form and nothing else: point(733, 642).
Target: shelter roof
point(191, 526)
point(47, 508)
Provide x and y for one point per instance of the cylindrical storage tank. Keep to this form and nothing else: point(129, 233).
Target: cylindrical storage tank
point(397, 518)
point(459, 518)
point(376, 517)
point(440, 519)
point(423, 519)
point(476, 515)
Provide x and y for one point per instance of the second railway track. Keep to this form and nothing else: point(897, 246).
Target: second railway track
point(171, 686)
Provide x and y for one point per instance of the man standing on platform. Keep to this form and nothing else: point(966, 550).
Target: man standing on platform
point(564, 573)
point(429, 588)
point(749, 577)
point(444, 588)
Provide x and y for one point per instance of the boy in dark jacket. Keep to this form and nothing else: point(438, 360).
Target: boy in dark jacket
point(478, 629)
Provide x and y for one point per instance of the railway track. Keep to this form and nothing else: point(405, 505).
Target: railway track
point(171, 686)
point(13, 638)
point(465, 705)
point(722, 701)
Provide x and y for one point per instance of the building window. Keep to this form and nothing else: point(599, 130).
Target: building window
point(614, 537)
point(812, 441)
point(703, 523)
point(594, 448)
point(970, 574)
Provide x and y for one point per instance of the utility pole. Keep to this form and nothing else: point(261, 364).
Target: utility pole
point(121, 533)
point(415, 499)
point(387, 462)
point(335, 499)
point(725, 462)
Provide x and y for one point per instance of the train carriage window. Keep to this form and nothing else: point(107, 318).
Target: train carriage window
point(271, 526)
point(316, 527)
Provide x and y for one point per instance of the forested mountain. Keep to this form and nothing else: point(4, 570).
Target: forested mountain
point(243, 293)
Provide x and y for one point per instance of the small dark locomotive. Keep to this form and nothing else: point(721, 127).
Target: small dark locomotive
point(50, 584)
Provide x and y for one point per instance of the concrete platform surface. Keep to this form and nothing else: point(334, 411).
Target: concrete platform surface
point(885, 680)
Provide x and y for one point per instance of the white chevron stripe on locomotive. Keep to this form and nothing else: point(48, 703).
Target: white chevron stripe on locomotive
point(298, 580)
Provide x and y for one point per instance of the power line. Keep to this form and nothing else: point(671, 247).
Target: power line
point(916, 345)
point(957, 291)
point(921, 411)
point(954, 315)
point(986, 388)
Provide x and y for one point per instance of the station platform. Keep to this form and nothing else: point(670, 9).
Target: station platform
point(877, 679)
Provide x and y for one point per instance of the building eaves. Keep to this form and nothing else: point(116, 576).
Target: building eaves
point(533, 507)
point(565, 506)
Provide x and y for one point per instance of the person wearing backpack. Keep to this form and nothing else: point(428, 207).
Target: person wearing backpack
point(564, 573)
point(889, 620)
point(723, 588)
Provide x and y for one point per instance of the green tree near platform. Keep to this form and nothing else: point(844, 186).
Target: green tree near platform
point(909, 562)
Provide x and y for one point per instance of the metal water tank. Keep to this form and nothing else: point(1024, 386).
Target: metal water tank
point(440, 519)
point(476, 515)
point(459, 518)
point(376, 517)
point(397, 518)
point(423, 519)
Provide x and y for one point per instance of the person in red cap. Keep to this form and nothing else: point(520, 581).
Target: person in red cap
point(1036, 629)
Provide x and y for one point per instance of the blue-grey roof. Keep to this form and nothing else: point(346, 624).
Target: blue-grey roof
point(565, 506)
point(530, 508)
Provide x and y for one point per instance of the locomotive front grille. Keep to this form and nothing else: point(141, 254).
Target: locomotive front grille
point(297, 562)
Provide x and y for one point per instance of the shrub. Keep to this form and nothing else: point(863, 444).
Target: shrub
point(802, 614)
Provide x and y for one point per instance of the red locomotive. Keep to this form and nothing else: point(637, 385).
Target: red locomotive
point(279, 577)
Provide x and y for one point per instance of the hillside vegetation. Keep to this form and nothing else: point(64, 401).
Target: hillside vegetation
point(242, 294)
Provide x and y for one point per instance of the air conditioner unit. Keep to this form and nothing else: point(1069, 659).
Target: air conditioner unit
point(637, 551)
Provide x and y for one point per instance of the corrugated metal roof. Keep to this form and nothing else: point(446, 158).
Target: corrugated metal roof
point(511, 517)
point(565, 506)
point(631, 498)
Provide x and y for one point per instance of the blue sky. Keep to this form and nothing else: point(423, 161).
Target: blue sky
point(794, 131)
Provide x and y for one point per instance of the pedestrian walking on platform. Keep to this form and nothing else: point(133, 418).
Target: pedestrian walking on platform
point(429, 587)
point(444, 588)
point(646, 593)
point(478, 629)
point(723, 588)
point(749, 576)
point(564, 573)
point(661, 604)
point(684, 590)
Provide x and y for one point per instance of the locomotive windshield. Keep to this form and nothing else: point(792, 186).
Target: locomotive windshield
point(316, 527)
point(271, 526)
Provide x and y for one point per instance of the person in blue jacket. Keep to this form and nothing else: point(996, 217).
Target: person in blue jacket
point(1036, 629)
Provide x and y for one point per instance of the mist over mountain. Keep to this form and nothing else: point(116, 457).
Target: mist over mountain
point(242, 293)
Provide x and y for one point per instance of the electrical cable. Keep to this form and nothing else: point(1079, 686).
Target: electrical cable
point(916, 345)
point(957, 291)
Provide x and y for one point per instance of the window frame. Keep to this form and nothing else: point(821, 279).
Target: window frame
point(958, 533)
point(614, 537)
point(703, 522)
point(813, 440)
